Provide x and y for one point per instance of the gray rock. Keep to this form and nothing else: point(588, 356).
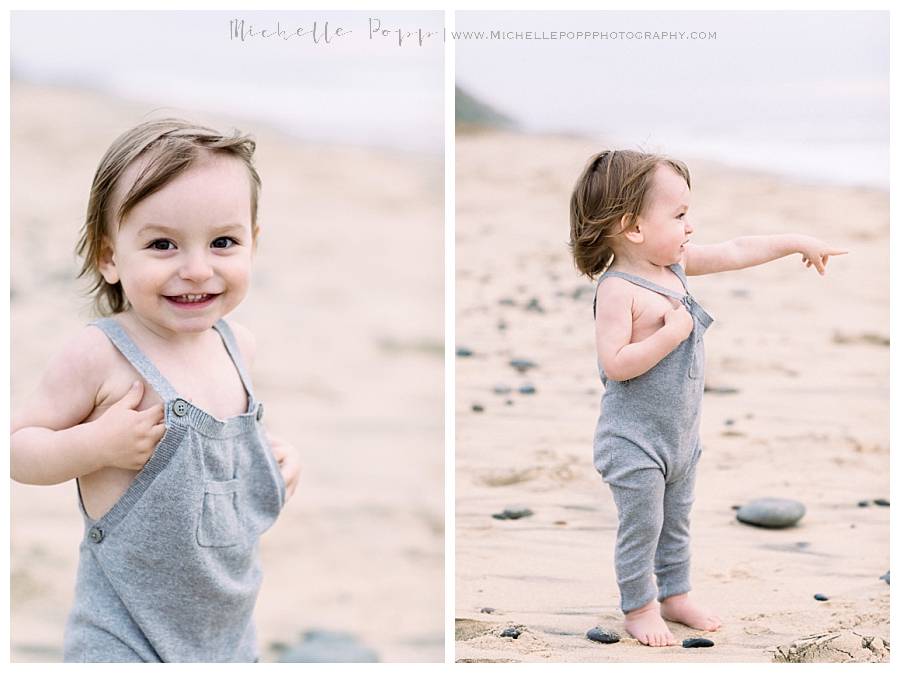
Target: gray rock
point(321, 647)
point(511, 632)
point(534, 305)
point(527, 389)
point(881, 502)
point(477, 408)
point(697, 642)
point(487, 611)
point(771, 512)
point(886, 577)
point(602, 635)
point(821, 597)
point(513, 513)
point(502, 389)
point(521, 365)
point(862, 503)
point(463, 352)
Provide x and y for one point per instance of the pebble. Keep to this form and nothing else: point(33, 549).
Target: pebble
point(821, 597)
point(881, 502)
point(501, 325)
point(720, 390)
point(513, 513)
point(506, 301)
point(487, 611)
point(511, 632)
point(320, 647)
point(534, 305)
point(509, 403)
point(771, 512)
point(735, 507)
point(521, 365)
point(697, 642)
point(527, 389)
point(477, 408)
point(862, 503)
point(886, 577)
point(463, 352)
point(729, 421)
point(602, 635)
point(502, 389)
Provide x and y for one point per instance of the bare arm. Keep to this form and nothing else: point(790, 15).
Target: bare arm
point(49, 441)
point(747, 251)
point(622, 360)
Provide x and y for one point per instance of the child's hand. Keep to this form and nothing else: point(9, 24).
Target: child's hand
point(287, 462)
point(678, 320)
point(130, 435)
point(816, 253)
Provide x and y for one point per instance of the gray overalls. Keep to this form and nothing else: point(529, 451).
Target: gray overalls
point(172, 571)
point(646, 447)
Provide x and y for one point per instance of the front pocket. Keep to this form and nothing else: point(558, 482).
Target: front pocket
point(220, 523)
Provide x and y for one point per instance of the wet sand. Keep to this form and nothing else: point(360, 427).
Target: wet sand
point(806, 357)
point(347, 310)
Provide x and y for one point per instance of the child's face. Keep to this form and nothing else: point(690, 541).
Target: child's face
point(183, 254)
point(665, 223)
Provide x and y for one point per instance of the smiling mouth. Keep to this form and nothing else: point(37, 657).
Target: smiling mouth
point(191, 298)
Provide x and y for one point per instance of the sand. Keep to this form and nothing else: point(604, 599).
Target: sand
point(807, 356)
point(347, 309)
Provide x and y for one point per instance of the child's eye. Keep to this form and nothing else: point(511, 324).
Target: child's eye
point(161, 244)
point(682, 215)
point(224, 242)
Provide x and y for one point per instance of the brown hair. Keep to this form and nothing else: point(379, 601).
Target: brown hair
point(171, 147)
point(614, 185)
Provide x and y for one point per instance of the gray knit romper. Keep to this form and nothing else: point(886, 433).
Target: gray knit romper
point(172, 571)
point(646, 447)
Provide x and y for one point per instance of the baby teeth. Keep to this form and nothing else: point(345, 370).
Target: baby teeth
point(192, 297)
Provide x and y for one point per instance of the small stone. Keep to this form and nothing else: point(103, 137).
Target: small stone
point(771, 512)
point(527, 389)
point(513, 513)
point(729, 421)
point(501, 325)
point(477, 408)
point(506, 301)
point(534, 305)
point(511, 632)
point(881, 502)
point(602, 635)
point(697, 642)
point(509, 403)
point(821, 597)
point(886, 577)
point(487, 611)
point(720, 390)
point(463, 352)
point(735, 506)
point(740, 292)
point(502, 389)
point(521, 365)
point(862, 503)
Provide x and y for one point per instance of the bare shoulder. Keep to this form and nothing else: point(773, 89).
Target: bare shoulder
point(614, 294)
point(245, 340)
point(70, 386)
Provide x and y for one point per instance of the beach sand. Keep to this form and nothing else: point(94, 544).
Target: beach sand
point(347, 310)
point(805, 355)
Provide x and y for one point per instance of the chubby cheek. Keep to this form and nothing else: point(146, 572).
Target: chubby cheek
point(236, 274)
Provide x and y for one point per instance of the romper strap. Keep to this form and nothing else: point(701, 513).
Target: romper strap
point(234, 352)
point(120, 339)
point(643, 282)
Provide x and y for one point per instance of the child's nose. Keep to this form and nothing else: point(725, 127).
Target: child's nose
point(196, 267)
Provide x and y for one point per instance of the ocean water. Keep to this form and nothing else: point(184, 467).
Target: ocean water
point(804, 94)
point(368, 80)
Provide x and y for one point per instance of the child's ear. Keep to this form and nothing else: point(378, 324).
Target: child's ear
point(107, 263)
point(631, 228)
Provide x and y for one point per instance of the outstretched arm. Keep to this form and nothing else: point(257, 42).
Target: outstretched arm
point(747, 251)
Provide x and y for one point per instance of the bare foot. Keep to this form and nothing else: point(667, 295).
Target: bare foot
point(680, 608)
point(647, 626)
